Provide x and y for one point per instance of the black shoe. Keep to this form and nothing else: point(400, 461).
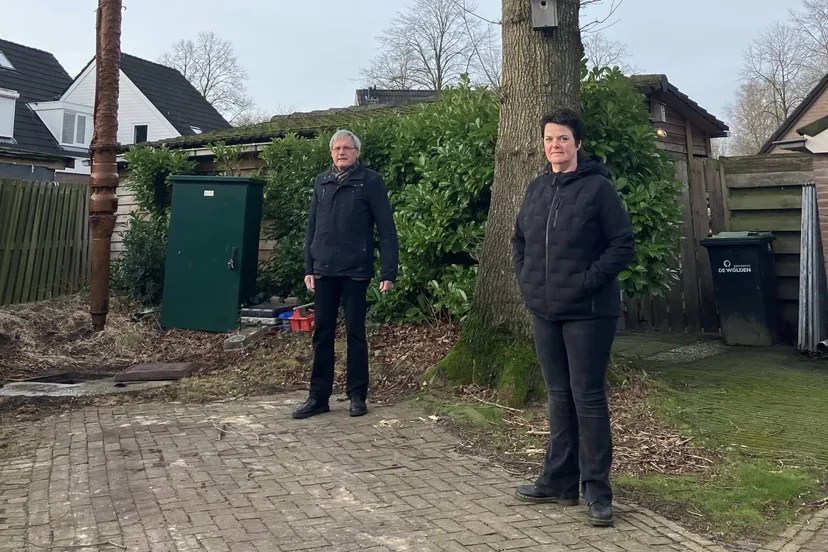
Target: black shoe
point(358, 407)
point(311, 407)
point(600, 514)
point(530, 493)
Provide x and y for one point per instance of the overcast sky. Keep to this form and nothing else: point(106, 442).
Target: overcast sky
point(308, 53)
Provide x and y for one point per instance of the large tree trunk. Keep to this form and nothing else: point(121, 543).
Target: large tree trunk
point(541, 72)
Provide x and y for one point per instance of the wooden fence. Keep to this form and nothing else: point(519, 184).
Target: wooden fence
point(756, 193)
point(691, 304)
point(44, 240)
point(764, 193)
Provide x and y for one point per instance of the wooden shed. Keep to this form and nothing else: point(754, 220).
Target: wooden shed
point(687, 128)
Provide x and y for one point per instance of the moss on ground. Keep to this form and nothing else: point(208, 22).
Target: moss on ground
point(491, 357)
point(763, 408)
point(769, 403)
point(744, 499)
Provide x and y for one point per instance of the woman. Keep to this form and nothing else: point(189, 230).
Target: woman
point(572, 239)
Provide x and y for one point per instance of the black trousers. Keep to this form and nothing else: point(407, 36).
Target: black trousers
point(329, 292)
point(574, 357)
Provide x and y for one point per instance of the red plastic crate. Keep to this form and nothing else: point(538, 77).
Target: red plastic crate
point(301, 323)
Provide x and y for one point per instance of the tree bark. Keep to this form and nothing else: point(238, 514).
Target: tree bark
point(541, 72)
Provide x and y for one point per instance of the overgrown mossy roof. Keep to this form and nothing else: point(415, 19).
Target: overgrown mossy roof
point(306, 124)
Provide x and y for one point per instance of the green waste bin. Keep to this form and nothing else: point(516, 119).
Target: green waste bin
point(212, 251)
point(744, 278)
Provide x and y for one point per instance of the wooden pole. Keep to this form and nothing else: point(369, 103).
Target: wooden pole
point(103, 201)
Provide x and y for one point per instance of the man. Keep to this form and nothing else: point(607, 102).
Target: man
point(348, 202)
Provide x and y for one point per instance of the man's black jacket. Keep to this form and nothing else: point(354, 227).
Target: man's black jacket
point(340, 237)
point(572, 239)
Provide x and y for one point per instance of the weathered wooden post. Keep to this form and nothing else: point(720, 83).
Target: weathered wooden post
point(103, 201)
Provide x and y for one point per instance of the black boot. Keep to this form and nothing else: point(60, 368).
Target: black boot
point(311, 407)
point(530, 493)
point(600, 514)
point(358, 407)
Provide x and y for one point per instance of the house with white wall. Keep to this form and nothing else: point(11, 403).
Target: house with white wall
point(27, 149)
point(155, 102)
point(46, 116)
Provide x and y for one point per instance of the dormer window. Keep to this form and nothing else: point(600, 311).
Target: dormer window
point(5, 63)
point(8, 101)
point(74, 129)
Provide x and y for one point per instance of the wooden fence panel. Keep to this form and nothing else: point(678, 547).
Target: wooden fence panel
point(764, 194)
point(690, 305)
point(44, 240)
point(689, 273)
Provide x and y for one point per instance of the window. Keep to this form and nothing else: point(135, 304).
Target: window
point(74, 129)
point(8, 101)
point(195, 129)
point(4, 62)
point(139, 134)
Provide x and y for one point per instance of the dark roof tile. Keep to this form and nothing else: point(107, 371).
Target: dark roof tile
point(788, 124)
point(373, 96)
point(654, 82)
point(37, 77)
point(305, 124)
point(173, 95)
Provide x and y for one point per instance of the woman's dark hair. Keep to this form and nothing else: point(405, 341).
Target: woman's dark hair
point(565, 117)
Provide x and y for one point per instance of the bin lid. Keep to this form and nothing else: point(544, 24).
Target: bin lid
point(738, 238)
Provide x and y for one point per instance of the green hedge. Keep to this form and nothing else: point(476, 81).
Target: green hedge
point(438, 163)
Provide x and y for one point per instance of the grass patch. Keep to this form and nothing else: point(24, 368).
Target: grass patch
point(753, 499)
point(766, 402)
point(759, 407)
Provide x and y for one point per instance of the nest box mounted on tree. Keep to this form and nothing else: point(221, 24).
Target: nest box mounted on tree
point(544, 14)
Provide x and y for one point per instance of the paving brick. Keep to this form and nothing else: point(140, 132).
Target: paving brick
point(154, 477)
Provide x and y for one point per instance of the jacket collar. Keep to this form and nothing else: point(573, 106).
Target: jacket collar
point(357, 176)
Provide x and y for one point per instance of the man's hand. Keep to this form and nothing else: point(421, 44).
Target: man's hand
point(386, 285)
point(310, 282)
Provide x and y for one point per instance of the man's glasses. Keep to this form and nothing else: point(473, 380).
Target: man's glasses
point(343, 148)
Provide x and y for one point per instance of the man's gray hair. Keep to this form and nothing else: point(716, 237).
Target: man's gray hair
point(340, 134)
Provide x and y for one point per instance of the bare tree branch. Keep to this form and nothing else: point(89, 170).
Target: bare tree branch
point(601, 51)
point(594, 26)
point(211, 65)
point(751, 117)
point(812, 21)
point(775, 60)
point(429, 46)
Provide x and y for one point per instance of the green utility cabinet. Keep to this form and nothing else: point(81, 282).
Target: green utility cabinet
point(212, 252)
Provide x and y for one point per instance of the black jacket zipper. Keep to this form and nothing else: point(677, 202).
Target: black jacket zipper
point(548, 220)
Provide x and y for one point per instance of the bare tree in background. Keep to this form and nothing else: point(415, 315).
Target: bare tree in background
point(812, 21)
point(752, 118)
point(780, 68)
point(212, 67)
point(428, 46)
point(720, 147)
point(776, 61)
point(252, 117)
point(597, 24)
point(601, 51)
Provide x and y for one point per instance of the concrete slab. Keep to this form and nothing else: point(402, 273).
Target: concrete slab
point(692, 352)
point(156, 371)
point(83, 389)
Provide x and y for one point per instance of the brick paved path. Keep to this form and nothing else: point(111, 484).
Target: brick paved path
point(244, 476)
